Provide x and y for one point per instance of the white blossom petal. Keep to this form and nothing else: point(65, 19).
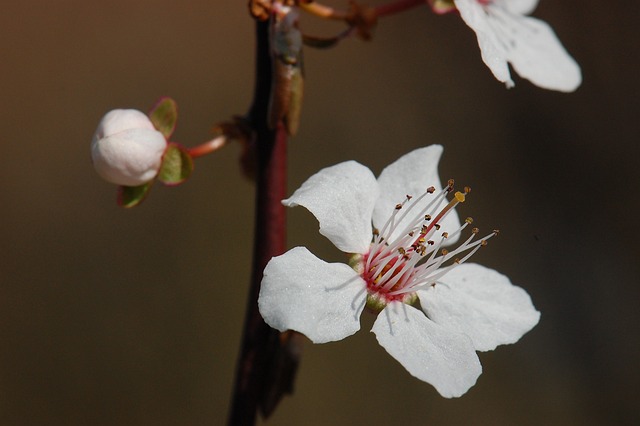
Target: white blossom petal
point(491, 47)
point(539, 57)
point(342, 198)
point(318, 299)
point(119, 120)
point(130, 157)
point(530, 45)
point(428, 351)
point(521, 7)
point(481, 303)
point(411, 175)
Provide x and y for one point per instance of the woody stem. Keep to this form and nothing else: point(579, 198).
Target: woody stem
point(261, 346)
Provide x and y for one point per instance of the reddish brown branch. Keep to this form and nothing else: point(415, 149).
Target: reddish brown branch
point(266, 364)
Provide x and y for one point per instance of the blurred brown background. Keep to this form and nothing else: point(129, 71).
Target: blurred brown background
point(116, 317)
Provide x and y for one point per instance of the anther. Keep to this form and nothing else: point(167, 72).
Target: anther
point(431, 189)
point(398, 206)
point(467, 189)
point(469, 220)
point(496, 232)
point(475, 230)
point(445, 235)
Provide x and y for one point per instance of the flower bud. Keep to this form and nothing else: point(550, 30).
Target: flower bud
point(126, 148)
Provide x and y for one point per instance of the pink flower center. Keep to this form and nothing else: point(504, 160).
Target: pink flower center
point(406, 254)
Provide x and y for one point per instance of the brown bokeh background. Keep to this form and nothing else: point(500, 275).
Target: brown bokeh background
point(118, 317)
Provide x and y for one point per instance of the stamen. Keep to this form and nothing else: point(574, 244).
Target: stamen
point(399, 263)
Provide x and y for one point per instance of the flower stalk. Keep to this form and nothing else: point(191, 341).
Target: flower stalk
point(208, 147)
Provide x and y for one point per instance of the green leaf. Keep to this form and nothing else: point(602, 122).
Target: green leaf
point(164, 116)
point(177, 165)
point(130, 196)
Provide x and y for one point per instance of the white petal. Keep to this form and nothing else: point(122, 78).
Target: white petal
point(129, 157)
point(491, 47)
point(428, 351)
point(118, 120)
point(537, 55)
point(530, 45)
point(303, 293)
point(521, 7)
point(411, 175)
point(481, 303)
point(342, 198)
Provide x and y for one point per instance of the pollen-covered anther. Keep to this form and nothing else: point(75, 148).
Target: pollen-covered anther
point(469, 220)
point(475, 230)
point(445, 235)
point(483, 243)
point(450, 184)
point(467, 189)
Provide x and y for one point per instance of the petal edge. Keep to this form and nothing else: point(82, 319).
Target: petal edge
point(318, 299)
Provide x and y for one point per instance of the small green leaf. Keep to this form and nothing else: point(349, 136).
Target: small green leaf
point(131, 196)
point(164, 116)
point(177, 165)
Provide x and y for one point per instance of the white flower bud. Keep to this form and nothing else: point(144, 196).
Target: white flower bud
point(126, 148)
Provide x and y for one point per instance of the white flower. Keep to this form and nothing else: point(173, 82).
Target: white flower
point(126, 148)
point(464, 307)
point(505, 34)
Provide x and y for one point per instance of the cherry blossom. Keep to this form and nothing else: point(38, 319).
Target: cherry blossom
point(506, 35)
point(434, 310)
point(126, 148)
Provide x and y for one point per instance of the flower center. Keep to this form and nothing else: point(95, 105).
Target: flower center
point(406, 254)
